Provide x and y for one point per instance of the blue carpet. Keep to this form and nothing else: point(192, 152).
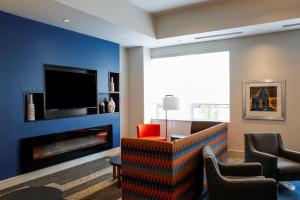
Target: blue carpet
point(290, 195)
point(284, 194)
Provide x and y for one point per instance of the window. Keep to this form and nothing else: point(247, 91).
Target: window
point(200, 81)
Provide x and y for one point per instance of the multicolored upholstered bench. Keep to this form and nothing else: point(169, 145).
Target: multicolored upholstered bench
point(169, 170)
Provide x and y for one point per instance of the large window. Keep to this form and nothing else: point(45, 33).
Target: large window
point(200, 81)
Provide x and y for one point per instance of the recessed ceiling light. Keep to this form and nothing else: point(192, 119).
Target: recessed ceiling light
point(66, 20)
point(290, 25)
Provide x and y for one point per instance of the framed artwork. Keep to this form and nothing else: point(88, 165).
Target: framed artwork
point(264, 100)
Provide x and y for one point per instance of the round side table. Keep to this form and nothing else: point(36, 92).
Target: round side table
point(117, 168)
point(34, 193)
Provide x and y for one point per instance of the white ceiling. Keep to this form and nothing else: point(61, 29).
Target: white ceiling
point(155, 6)
point(53, 12)
point(130, 27)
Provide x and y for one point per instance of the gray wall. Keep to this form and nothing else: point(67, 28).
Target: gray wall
point(123, 92)
point(269, 56)
point(135, 89)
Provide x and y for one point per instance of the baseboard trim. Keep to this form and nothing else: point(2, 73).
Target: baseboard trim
point(236, 154)
point(56, 168)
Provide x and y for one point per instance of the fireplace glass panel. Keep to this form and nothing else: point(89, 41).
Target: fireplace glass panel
point(46, 150)
point(43, 151)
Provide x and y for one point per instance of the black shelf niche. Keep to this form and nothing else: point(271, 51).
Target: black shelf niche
point(116, 98)
point(105, 97)
point(116, 78)
point(111, 94)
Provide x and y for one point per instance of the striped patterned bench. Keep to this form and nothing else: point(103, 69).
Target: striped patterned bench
point(169, 170)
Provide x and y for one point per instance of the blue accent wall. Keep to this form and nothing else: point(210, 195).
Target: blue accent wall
point(25, 46)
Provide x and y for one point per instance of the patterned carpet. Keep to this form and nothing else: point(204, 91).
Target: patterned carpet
point(283, 194)
point(89, 181)
point(93, 181)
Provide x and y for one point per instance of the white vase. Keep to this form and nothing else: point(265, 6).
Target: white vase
point(112, 85)
point(30, 108)
point(111, 106)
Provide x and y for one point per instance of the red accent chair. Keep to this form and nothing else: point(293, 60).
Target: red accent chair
point(150, 131)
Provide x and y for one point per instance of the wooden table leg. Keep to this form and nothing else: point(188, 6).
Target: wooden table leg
point(114, 172)
point(118, 176)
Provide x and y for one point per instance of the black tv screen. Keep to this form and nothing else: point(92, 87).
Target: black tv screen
point(68, 88)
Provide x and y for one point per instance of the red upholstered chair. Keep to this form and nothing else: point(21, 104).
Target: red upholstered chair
point(149, 131)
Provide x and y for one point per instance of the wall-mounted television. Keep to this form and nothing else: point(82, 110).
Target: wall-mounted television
point(70, 88)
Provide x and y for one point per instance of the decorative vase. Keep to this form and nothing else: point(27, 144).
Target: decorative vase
point(30, 108)
point(112, 85)
point(102, 107)
point(105, 105)
point(111, 106)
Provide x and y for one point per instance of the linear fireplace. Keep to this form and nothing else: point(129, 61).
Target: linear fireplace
point(43, 151)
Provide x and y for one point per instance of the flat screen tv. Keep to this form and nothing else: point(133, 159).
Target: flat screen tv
point(70, 88)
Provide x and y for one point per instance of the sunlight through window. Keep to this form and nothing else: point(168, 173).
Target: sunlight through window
point(200, 81)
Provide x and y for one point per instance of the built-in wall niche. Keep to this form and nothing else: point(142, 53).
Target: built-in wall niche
point(70, 91)
point(104, 99)
point(115, 78)
point(38, 100)
point(41, 113)
point(44, 108)
point(114, 94)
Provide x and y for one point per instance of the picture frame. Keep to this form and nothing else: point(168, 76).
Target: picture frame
point(264, 100)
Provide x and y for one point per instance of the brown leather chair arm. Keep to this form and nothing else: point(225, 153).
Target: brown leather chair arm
point(268, 161)
point(289, 154)
point(286, 153)
point(243, 169)
point(264, 156)
point(249, 189)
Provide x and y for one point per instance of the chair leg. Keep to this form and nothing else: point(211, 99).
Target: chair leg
point(287, 185)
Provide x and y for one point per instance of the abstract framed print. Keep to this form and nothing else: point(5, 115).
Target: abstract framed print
point(264, 100)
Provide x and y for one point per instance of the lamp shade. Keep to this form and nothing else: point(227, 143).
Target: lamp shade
point(170, 103)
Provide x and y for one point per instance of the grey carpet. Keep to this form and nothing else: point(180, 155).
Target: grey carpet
point(89, 181)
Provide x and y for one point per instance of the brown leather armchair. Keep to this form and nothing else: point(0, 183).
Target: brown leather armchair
point(278, 162)
point(236, 182)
